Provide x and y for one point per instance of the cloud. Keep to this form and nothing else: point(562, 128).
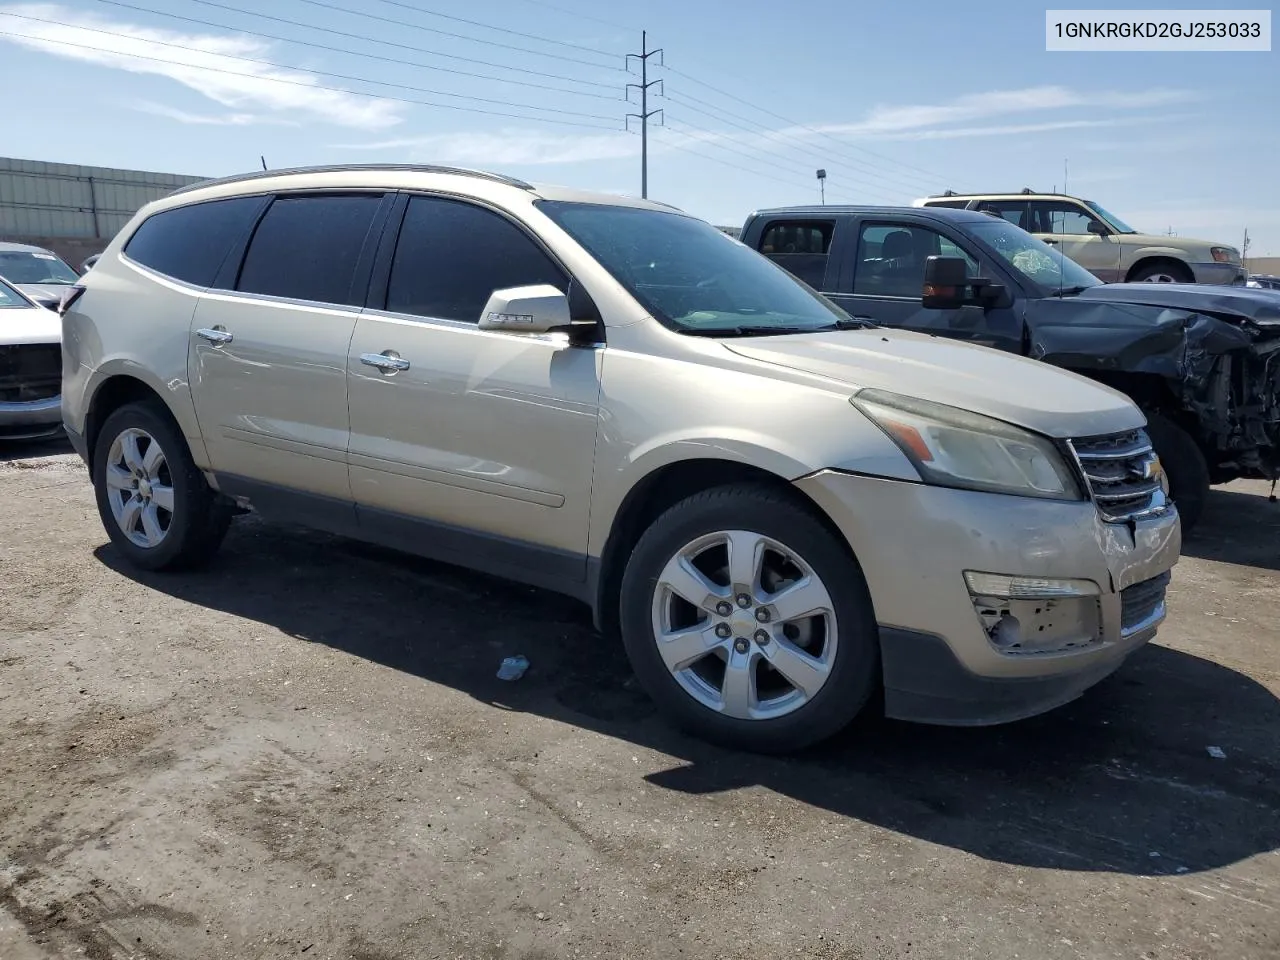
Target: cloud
point(509, 147)
point(244, 87)
point(885, 120)
point(209, 119)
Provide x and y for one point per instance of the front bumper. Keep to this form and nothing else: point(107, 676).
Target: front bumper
point(941, 663)
point(35, 418)
point(1224, 273)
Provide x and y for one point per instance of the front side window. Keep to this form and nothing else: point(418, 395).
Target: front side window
point(1033, 258)
point(35, 266)
point(1054, 216)
point(689, 275)
point(891, 259)
point(189, 243)
point(306, 248)
point(451, 256)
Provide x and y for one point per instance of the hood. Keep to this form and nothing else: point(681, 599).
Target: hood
point(44, 293)
point(1260, 306)
point(29, 325)
point(1024, 392)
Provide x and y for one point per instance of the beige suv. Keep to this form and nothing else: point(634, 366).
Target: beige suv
point(780, 509)
point(1102, 243)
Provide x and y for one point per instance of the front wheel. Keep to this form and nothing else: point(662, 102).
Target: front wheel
point(1163, 271)
point(155, 504)
point(748, 622)
point(1183, 464)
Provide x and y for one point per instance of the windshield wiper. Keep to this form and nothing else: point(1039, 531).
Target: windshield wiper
point(747, 331)
point(1070, 291)
point(853, 323)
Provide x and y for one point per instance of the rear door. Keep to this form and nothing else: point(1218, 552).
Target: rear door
point(268, 350)
point(884, 277)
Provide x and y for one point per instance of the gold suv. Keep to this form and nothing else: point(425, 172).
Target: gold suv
point(780, 509)
point(1101, 242)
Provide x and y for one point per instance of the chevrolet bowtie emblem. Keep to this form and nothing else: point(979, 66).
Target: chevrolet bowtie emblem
point(1148, 468)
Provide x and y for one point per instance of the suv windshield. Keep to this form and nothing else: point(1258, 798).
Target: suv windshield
point(23, 266)
point(691, 276)
point(1034, 259)
point(1110, 218)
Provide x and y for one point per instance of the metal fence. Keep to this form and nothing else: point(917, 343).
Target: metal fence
point(39, 199)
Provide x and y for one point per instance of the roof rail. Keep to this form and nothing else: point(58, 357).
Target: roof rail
point(355, 168)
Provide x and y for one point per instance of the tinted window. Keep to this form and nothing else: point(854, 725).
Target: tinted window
point(451, 256)
point(891, 259)
point(190, 243)
point(799, 247)
point(306, 248)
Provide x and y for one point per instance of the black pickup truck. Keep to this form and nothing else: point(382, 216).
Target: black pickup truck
point(1203, 363)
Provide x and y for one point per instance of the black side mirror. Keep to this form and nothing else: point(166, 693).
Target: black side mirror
point(946, 281)
point(1099, 228)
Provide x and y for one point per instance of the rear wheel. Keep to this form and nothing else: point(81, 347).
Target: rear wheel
point(1183, 464)
point(154, 502)
point(748, 622)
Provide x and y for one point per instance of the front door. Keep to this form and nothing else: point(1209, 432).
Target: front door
point(473, 429)
point(885, 285)
point(268, 357)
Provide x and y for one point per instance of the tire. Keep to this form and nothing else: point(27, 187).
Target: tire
point(841, 670)
point(1159, 270)
point(183, 524)
point(1184, 465)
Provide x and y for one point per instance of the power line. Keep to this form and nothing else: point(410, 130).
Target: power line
point(726, 163)
point(899, 181)
point(396, 60)
point(490, 26)
point(319, 73)
point(309, 86)
point(886, 180)
point(794, 123)
point(444, 33)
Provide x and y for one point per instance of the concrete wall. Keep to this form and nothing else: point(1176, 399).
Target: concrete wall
point(1265, 265)
point(63, 202)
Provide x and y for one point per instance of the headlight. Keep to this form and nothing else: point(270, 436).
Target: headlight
point(951, 447)
point(1224, 254)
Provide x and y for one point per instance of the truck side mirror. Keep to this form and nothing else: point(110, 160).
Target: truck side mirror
point(946, 280)
point(1099, 228)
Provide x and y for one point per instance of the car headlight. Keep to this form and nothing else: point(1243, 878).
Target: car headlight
point(1224, 254)
point(950, 447)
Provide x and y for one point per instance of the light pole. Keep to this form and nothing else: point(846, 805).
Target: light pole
point(822, 186)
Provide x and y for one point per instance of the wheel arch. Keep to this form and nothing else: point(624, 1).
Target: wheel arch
point(1156, 257)
point(657, 491)
point(118, 384)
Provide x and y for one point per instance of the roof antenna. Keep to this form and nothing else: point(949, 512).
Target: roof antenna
point(264, 161)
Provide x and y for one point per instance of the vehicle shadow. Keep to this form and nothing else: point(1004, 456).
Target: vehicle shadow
point(1119, 781)
point(1238, 526)
point(11, 450)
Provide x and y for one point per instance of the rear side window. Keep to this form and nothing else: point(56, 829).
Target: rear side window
point(800, 247)
point(452, 256)
point(306, 248)
point(1015, 211)
point(190, 243)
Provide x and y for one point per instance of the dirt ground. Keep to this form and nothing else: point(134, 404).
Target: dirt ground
point(303, 751)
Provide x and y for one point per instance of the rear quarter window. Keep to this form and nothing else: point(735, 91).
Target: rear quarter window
point(190, 243)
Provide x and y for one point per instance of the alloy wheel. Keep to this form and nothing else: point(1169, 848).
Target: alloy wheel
point(140, 488)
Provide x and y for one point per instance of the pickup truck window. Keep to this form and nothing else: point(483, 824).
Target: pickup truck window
point(891, 259)
point(801, 247)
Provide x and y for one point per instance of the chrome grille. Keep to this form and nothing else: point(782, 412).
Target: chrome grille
point(1123, 475)
point(30, 371)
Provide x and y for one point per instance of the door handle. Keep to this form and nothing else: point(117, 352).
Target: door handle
point(1049, 241)
point(214, 336)
point(386, 362)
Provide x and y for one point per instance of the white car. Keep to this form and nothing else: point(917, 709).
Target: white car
point(30, 367)
point(39, 273)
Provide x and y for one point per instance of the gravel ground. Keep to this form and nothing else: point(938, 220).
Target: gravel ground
point(303, 751)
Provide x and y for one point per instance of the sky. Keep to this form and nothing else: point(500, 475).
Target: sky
point(894, 100)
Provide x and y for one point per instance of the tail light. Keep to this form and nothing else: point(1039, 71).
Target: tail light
point(68, 298)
